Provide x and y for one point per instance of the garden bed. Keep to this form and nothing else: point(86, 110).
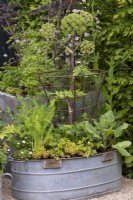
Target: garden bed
point(126, 192)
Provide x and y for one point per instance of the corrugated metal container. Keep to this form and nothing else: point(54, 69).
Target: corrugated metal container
point(69, 179)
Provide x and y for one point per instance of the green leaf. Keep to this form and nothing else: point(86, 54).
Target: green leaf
point(118, 51)
point(115, 90)
point(122, 151)
point(118, 132)
point(128, 159)
point(106, 93)
point(121, 113)
point(109, 131)
point(89, 127)
point(123, 144)
point(107, 119)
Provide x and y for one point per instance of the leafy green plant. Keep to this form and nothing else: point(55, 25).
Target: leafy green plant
point(101, 136)
point(67, 148)
point(35, 135)
point(3, 158)
point(118, 94)
point(76, 24)
point(57, 41)
point(62, 41)
point(68, 94)
point(31, 129)
point(106, 132)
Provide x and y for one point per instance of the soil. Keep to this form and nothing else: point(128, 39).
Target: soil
point(126, 193)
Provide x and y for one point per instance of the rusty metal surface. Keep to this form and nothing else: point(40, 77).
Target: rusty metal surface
point(52, 164)
point(107, 156)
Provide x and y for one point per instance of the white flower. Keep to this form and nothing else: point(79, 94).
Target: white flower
point(98, 27)
point(30, 152)
point(84, 0)
point(24, 41)
point(70, 44)
point(69, 36)
point(5, 55)
point(86, 34)
point(76, 38)
point(22, 152)
point(75, 11)
point(17, 41)
point(98, 11)
point(23, 141)
point(78, 62)
point(18, 142)
point(97, 22)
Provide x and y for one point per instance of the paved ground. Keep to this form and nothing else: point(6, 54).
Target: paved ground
point(126, 192)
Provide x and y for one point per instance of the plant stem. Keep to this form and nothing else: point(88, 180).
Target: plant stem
point(72, 84)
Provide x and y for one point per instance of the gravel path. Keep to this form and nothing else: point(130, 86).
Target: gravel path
point(126, 192)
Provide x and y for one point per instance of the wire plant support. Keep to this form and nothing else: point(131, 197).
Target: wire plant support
point(77, 94)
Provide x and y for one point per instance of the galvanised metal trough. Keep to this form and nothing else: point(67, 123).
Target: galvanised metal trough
point(68, 179)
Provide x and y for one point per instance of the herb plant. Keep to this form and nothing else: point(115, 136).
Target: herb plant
point(31, 130)
point(35, 134)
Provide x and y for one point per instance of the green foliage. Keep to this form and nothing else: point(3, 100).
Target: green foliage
point(83, 70)
point(31, 129)
point(118, 92)
point(35, 51)
point(66, 94)
point(98, 34)
point(76, 24)
point(108, 127)
point(67, 148)
point(87, 47)
point(35, 135)
point(41, 49)
point(3, 158)
point(48, 31)
point(101, 136)
point(121, 147)
point(108, 131)
point(117, 37)
point(10, 80)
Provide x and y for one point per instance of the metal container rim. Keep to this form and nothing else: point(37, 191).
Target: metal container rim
point(72, 158)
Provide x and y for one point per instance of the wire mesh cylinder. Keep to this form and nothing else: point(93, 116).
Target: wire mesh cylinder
point(78, 95)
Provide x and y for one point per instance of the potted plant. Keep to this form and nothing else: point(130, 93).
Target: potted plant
point(52, 159)
point(63, 161)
